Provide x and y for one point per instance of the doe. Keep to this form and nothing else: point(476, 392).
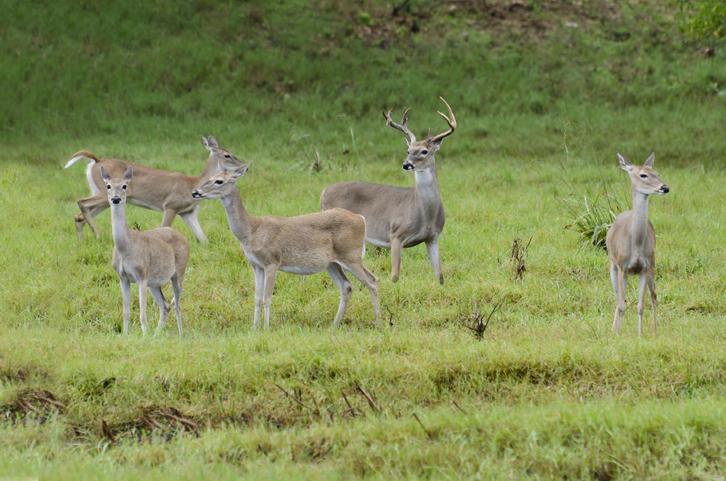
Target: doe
point(631, 241)
point(332, 240)
point(162, 190)
point(148, 259)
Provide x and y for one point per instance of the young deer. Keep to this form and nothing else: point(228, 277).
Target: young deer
point(148, 259)
point(399, 217)
point(333, 240)
point(155, 189)
point(631, 241)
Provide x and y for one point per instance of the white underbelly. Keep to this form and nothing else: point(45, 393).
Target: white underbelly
point(303, 271)
point(379, 243)
point(143, 204)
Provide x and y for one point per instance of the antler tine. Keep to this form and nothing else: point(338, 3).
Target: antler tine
point(403, 128)
point(451, 122)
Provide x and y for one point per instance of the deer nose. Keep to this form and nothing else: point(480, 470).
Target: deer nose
point(196, 194)
point(116, 200)
point(407, 165)
point(665, 189)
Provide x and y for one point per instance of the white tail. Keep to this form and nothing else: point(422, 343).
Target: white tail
point(631, 242)
point(398, 217)
point(148, 259)
point(162, 190)
point(306, 244)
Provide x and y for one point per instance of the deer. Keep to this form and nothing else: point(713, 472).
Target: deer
point(148, 259)
point(630, 242)
point(333, 240)
point(400, 217)
point(155, 189)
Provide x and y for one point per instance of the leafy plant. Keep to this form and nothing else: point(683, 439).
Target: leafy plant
point(704, 20)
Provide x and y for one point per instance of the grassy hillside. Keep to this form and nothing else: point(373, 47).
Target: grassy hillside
point(544, 93)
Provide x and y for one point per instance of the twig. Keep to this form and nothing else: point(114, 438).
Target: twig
point(352, 409)
point(459, 408)
point(390, 321)
point(371, 403)
point(294, 398)
point(422, 427)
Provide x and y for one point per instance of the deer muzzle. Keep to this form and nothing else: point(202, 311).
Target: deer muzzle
point(407, 166)
point(196, 194)
point(664, 189)
point(116, 199)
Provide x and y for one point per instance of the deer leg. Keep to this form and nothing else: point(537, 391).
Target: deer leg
point(432, 247)
point(396, 253)
point(653, 298)
point(345, 287)
point(176, 285)
point(126, 294)
point(259, 292)
point(620, 305)
point(142, 304)
point(270, 276)
point(80, 219)
point(168, 218)
point(641, 301)
point(164, 307)
point(360, 272)
point(191, 220)
point(614, 278)
point(87, 206)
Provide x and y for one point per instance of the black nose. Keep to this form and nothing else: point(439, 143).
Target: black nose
point(195, 194)
point(407, 166)
point(116, 200)
point(665, 189)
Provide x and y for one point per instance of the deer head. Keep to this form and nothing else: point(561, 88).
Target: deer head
point(222, 184)
point(117, 188)
point(421, 153)
point(644, 179)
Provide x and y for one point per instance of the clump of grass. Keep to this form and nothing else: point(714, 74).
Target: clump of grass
point(591, 211)
point(591, 216)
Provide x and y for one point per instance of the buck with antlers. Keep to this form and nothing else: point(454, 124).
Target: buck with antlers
point(149, 259)
point(631, 241)
point(306, 244)
point(162, 190)
point(400, 217)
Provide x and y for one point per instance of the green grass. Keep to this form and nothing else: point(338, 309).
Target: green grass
point(549, 392)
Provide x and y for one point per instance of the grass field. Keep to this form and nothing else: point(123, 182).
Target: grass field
point(549, 392)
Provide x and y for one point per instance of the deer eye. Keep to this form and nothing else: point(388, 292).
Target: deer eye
point(218, 182)
point(424, 152)
point(108, 187)
point(643, 176)
point(226, 156)
point(124, 187)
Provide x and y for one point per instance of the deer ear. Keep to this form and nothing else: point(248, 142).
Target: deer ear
point(104, 174)
point(649, 162)
point(129, 172)
point(625, 164)
point(242, 170)
point(210, 142)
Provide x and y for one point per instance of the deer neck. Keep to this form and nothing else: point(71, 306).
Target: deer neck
point(209, 170)
point(240, 221)
point(121, 231)
point(427, 191)
point(639, 220)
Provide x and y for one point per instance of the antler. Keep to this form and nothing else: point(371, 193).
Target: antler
point(402, 127)
point(452, 124)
